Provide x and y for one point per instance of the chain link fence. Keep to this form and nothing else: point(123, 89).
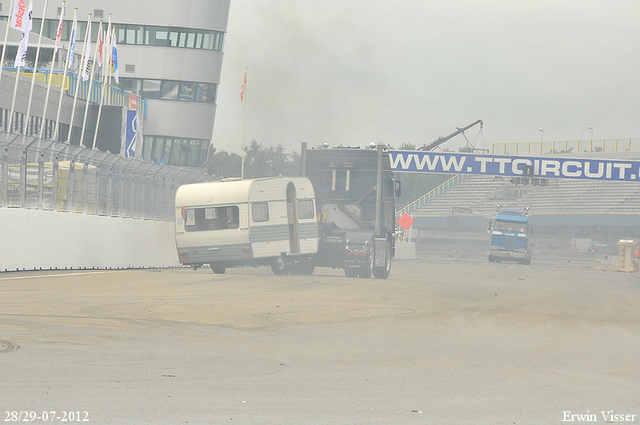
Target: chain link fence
point(45, 175)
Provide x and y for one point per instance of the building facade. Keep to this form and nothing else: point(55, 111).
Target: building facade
point(169, 53)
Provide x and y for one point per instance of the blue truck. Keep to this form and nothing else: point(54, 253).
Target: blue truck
point(509, 232)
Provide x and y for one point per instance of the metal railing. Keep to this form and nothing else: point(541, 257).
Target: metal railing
point(423, 200)
point(113, 96)
point(567, 147)
point(46, 175)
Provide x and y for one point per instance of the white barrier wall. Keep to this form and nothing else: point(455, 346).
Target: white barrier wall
point(34, 239)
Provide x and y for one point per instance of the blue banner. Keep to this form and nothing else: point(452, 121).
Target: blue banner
point(515, 166)
point(133, 137)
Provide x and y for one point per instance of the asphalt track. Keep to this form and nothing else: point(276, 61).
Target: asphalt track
point(442, 341)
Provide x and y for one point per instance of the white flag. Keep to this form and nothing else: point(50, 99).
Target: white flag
point(86, 66)
point(21, 18)
point(25, 22)
point(114, 59)
point(72, 43)
point(59, 31)
point(21, 54)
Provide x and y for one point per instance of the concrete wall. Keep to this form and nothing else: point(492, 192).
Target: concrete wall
point(33, 239)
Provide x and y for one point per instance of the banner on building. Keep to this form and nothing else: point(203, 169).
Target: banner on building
point(133, 132)
point(515, 166)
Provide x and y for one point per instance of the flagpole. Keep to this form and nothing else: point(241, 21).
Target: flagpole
point(93, 67)
point(109, 60)
point(64, 76)
point(35, 70)
point(78, 77)
point(103, 81)
point(244, 125)
point(53, 62)
point(13, 101)
point(6, 37)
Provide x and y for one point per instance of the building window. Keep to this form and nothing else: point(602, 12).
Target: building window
point(206, 93)
point(186, 38)
point(130, 34)
point(184, 91)
point(190, 40)
point(175, 151)
point(188, 92)
point(132, 85)
point(169, 90)
point(150, 89)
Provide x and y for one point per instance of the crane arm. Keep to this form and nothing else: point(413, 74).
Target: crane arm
point(441, 140)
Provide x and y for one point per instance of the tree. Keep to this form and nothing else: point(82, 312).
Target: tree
point(270, 161)
point(224, 164)
point(259, 161)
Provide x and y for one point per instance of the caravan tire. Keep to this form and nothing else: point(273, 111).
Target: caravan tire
point(279, 266)
point(218, 269)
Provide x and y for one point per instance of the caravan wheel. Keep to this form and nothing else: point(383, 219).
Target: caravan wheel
point(279, 266)
point(218, 269)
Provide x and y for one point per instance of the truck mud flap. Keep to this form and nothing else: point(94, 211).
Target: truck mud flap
point(380, 252)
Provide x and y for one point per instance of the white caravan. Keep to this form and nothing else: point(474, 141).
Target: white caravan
point(248, 222)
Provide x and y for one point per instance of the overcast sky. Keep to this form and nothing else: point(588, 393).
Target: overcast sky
point(409, 71)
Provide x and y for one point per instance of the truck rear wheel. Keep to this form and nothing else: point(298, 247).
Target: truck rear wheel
point(351, 272)
point(304, 267)
point(384, 271)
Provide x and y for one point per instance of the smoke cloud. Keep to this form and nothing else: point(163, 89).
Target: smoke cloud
point(411, 71)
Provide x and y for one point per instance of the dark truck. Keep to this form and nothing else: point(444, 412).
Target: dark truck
point(356, 221)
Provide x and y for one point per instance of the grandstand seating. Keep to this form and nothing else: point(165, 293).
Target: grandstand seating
point(479, 195)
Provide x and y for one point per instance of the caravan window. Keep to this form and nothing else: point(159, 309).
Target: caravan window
point(212, 218)
point(260, 212)
point(233, 217)
point(191, 218)
point(305, 209)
